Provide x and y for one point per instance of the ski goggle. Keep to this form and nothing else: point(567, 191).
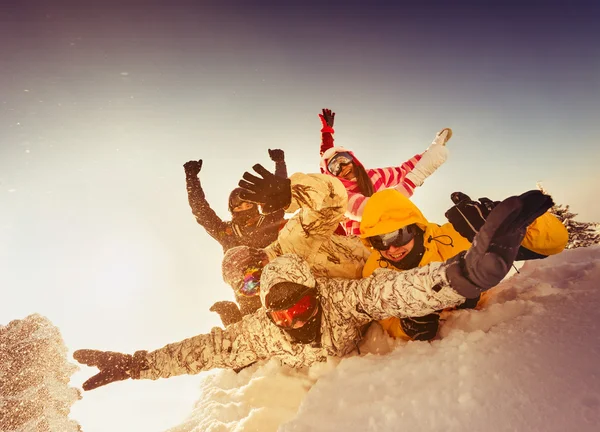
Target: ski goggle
point(396, 238)
point(297, 315)
point(250, 286)
point(337, 163)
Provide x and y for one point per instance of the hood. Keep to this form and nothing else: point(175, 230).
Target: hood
point(331, 153)
point(387, 211)
point(286, 268)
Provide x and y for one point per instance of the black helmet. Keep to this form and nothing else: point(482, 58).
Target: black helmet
point(234, 198)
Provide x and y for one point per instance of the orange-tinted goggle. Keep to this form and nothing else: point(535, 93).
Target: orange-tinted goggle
point(297, 315)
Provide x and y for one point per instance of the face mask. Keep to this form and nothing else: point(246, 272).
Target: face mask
point(242, 217)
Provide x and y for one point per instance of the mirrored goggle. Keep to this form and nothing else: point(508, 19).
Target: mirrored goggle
point(337, 163)
point(297, 315)
point(396, 238)
point(250, 286)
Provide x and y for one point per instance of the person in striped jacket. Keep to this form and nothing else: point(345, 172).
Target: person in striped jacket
point(361, 183)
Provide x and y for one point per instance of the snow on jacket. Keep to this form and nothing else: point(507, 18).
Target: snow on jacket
point(229, 233)
point(404, 178)
point(389, 210)
point(347, 305)
point(319, 202)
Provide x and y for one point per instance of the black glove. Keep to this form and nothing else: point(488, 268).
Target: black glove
point(228, 312)
point(421, 328)
point(271, 192)
point(276, 155)
point(113, 366)
point(468, 216)
point(327, 117)
point(192, 168)
point(495, 246)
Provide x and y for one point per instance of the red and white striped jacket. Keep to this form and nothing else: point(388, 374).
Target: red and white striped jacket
point(404, 178)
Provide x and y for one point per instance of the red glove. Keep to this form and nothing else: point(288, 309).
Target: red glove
point(327, 119)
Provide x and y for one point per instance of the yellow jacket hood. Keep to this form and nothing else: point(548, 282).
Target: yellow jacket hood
point(387, 211)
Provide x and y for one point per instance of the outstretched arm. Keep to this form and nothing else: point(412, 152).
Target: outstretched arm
point(405, 177)
point(430, 161)
point(423, 290)
point(241, 344)
point(205, 215)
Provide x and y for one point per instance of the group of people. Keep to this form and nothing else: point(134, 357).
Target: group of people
point(356, 251)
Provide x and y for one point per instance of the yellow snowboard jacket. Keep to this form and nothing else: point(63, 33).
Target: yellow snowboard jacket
point(389, 210)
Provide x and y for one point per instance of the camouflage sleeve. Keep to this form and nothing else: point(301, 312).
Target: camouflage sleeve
point(241, 344)
point(321, 202)
point(409, 293)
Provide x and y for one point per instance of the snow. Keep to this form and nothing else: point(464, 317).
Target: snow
point(527, 360)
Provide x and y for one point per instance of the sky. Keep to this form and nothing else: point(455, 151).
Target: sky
point(101, 105)
point(525, 361)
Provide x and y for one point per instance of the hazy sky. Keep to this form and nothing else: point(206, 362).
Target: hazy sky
point(101, 106)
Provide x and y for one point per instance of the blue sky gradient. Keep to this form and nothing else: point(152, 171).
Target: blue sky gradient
point(101, 106)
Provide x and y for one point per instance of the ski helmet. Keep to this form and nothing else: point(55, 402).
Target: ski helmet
point(235, 199)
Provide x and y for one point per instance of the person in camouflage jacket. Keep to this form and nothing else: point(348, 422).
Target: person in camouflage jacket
point(318, 202)
point(339, 308)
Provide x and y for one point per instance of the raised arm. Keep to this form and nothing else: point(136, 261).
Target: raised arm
point(278, 156)
point(205, 215)
point(319, 199)
point(327, 118)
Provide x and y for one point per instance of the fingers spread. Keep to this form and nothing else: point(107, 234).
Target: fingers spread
point(262, 171)
point(251, 178)
point(245, 185)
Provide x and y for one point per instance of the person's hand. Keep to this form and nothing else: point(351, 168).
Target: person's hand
point(271, 192)
point(468, 216)
point(443, 136)
point(113, 366)
point(495, 246)
point(277, 155)
point(192, 168)
point(228, 311)
point(327, 119)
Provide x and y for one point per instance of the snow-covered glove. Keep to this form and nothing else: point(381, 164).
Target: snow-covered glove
point(435, 155)
point(228, 311)
point(113, 366)
point(192, 168)
point(277, 155)
point(327, 119)
point(443, 136)
point(194, 188)
point(422, 328)
point(495, 246)
point(271, 192)
point(468, 216)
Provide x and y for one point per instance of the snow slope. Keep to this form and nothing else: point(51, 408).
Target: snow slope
point(527, 361)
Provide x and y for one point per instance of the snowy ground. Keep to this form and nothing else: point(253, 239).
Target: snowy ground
point(528, 361)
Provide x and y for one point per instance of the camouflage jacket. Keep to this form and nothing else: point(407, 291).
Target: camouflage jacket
point(319, 202)
point(347, 305)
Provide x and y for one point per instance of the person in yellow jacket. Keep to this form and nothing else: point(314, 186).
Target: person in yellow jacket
point(401, 238)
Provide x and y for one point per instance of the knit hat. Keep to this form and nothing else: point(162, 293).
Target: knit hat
point(237, 260)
